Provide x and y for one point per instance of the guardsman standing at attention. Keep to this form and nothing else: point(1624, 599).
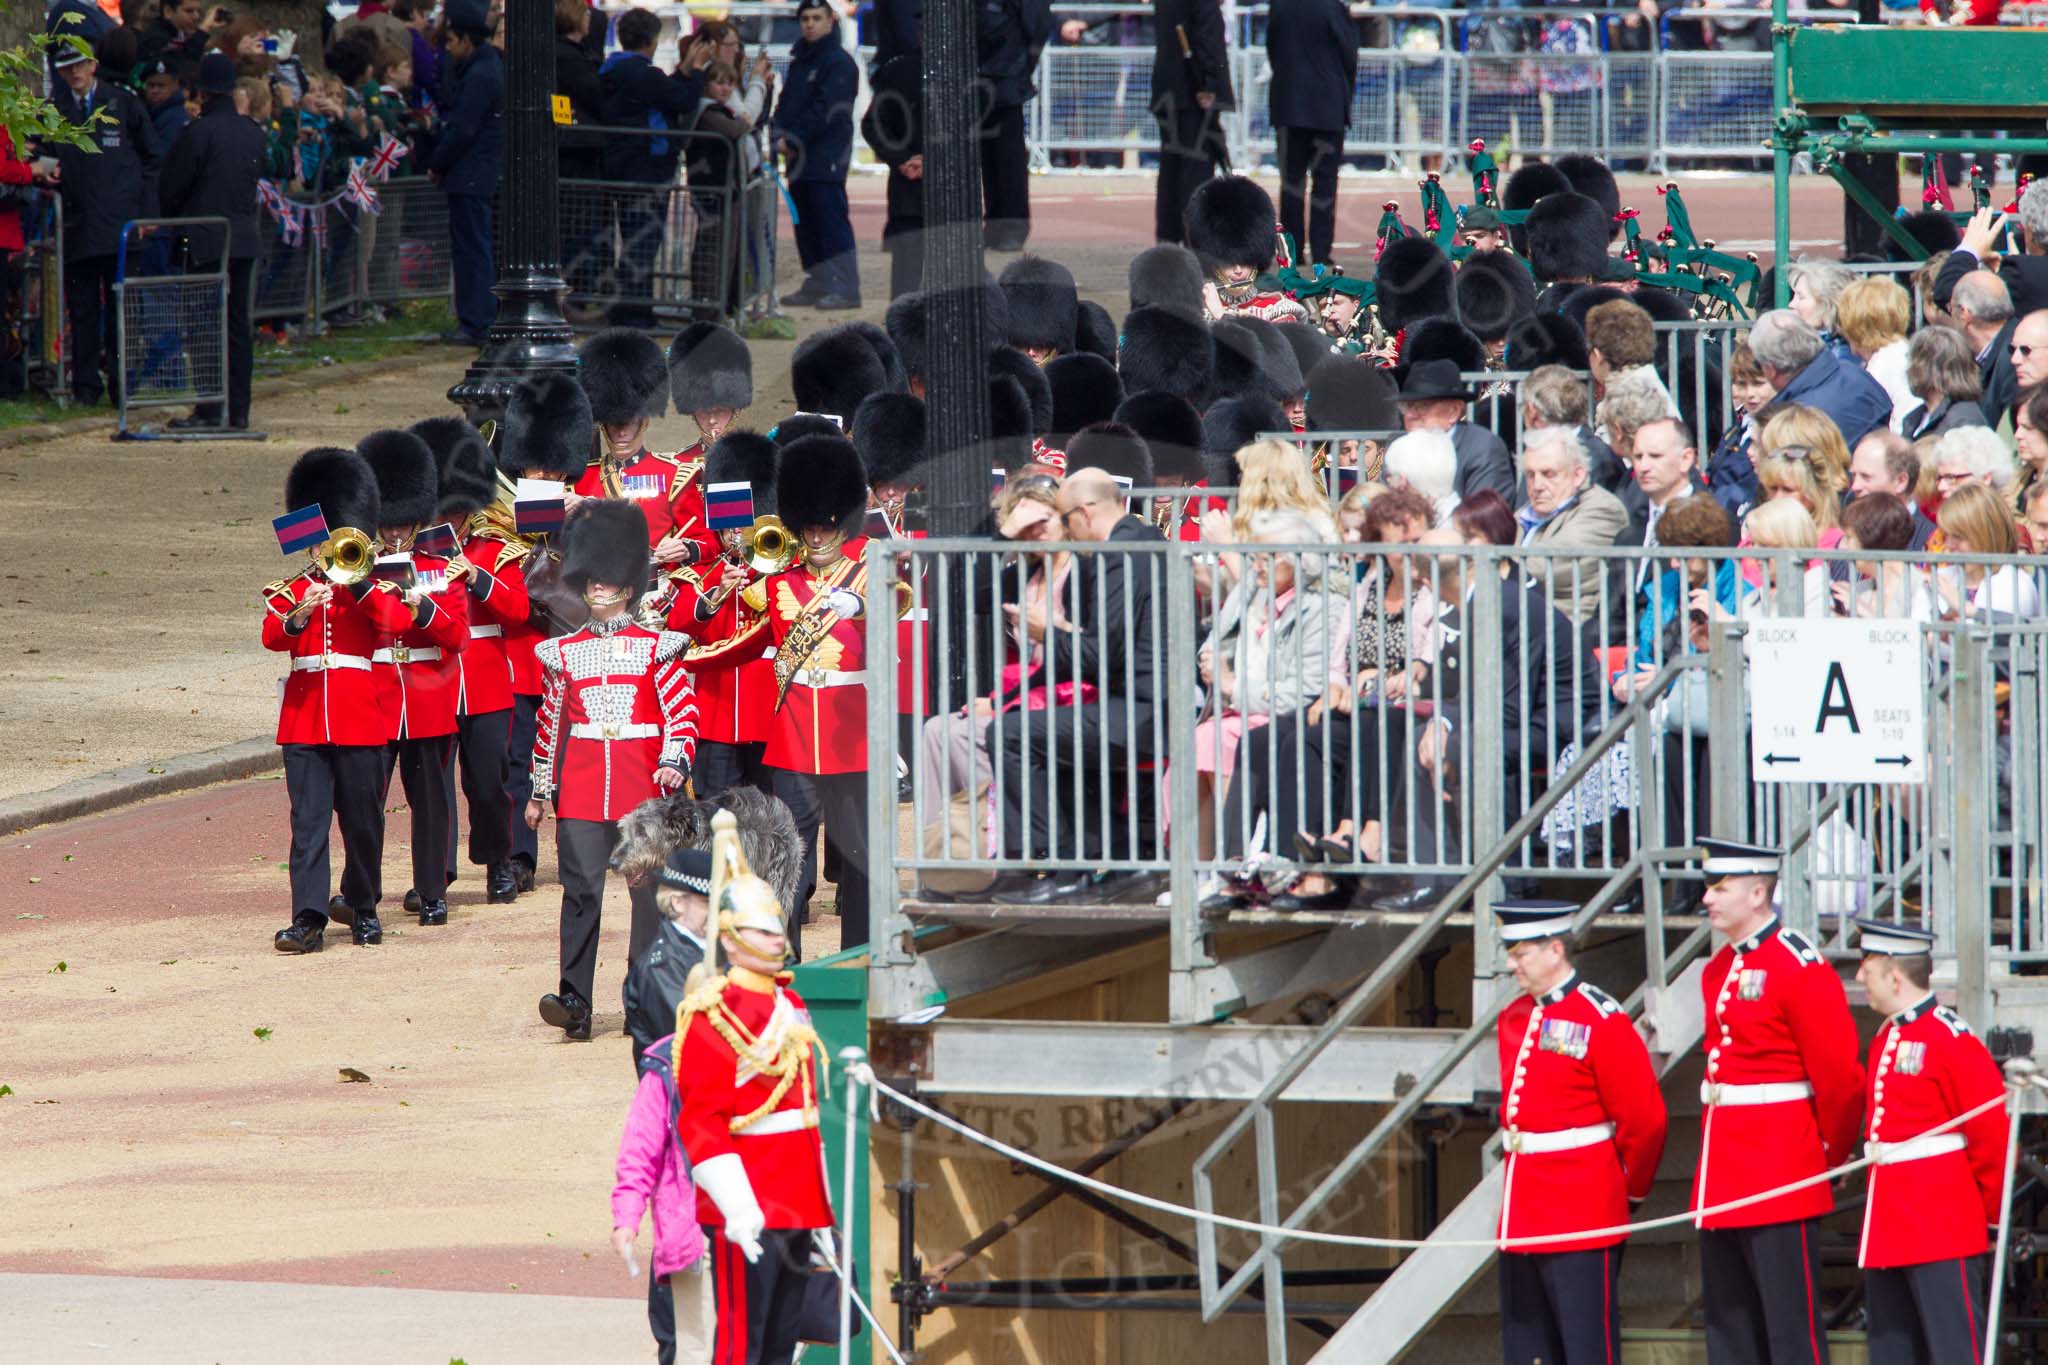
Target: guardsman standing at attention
point(1931, 1197)
point(711, 381)
point(1781, 1099)
point(626, 378)
point(1584, 1130)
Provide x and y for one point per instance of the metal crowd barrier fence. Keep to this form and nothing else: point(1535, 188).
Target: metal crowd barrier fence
point(171, 318)
point(35, 303)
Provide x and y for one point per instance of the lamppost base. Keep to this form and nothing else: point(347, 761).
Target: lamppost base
point(529, 337)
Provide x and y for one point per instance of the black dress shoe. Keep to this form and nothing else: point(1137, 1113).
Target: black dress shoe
point(1222, 902)
point(1416, 898)
point(522, 871)
point(501, 884)
point(836, 303)
point(1057, 888)
point(413, 903)
point(799, 298)
point(1336, 898)
point(568, 1012)
point(433, 912)
point(338, 911)
point(1125, 888)
point(367, 930)
point(306, 935)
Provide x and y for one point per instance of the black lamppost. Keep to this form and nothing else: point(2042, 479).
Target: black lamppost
point(956, 386)
point(529, 334)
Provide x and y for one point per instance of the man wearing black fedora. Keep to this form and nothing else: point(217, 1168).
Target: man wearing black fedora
point(1434, 398)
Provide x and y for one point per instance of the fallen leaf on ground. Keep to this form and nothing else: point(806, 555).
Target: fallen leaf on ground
point(60, 967)
point(262, 1034)
point(349, 1073)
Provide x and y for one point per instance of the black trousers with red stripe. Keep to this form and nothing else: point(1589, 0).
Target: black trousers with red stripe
point(759, 1303)
point(1762, 1292)
point(1931, 1314)
point(1560, 1307)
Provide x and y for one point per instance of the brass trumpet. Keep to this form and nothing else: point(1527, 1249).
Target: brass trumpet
point(344, 558)
point(770, 546)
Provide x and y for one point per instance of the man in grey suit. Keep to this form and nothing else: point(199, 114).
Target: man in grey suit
point(1433, 398)
point(1566, 510)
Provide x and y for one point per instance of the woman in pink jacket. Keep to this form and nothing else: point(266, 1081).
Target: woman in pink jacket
point(652, 1168)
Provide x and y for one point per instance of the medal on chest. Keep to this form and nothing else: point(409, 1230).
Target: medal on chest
point(1910, 1058)
point(641, 485)
point(1565, 1038)
point(1750, 984)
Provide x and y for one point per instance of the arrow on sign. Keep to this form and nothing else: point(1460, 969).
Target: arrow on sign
point(1781, 758)
point(1900, 762)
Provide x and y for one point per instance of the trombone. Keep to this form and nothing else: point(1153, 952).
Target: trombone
point(344, 559)
point(767, 548)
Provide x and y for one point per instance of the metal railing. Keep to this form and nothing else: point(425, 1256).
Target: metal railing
point(171, 318)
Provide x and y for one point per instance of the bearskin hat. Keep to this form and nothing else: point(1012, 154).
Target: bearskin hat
point(1009, 362)
point(804, 424)
point(1663, 305)
point(1042, 300)
point(833, 370)
point(1231, 424)
point(1493, 290)
point(1167, 276)
point(1085, 390)
point(467, 470)
point(1350, 393)
point(1546, 339)
point(341, 482)
point(1310, 346)
point(709, 366)
point(1252, 357)
point(547, 428)
point(1095, 330)
point(1443, 339)
point(908, 323)
point(1589, 176)
point(408, 484)
point(1230, 221)
point(1575, 301)
point(625, 375)
point(1172, 431)
point(1531, 181)
point(1010, 422)
point(1164, 350)
point(894, 378)
point(819, 482)
point(1114, 449)
point(745, 457)
point(1413, 282)
point(889, 433)
point(1567, 238)
point(1932, 229)
point(605, 541)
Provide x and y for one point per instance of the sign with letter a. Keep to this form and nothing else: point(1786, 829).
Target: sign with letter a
point(1837, 701)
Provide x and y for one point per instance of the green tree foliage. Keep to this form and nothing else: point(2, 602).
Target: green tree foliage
point(24, 113)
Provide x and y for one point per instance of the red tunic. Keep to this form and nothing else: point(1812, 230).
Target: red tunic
point(1776, 1015)
point(1926, 1067)
point(1571, 1060)
point(822, 725)
point(1273, 307)
point(497, 603)
point(417, 668)
point(647, 480)
point(332, 696)
point(686, 504)
point(615, 705)
point(524, 637)
point(735, 682)
point(786, 1165)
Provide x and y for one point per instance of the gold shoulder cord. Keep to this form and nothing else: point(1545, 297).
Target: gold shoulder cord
point(792, 1062)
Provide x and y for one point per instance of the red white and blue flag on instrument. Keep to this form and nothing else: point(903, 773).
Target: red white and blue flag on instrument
point(996, 477)
point(300, 529)
point(438, 541)
point(538, 506)
point(729, 506)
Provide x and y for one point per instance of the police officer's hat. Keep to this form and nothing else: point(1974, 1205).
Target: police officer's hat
point(688, 869)
point(1522, 920)
point(1892, 940)
point(1725, 858)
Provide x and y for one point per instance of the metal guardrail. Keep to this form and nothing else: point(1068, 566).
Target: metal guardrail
point(171, 324)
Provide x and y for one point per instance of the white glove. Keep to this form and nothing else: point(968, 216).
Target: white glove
point(724, 1178)
point(846, 605)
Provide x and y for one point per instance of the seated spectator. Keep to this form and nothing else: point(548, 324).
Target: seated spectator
point(1873, 315)
point(1427, 463)
point(1351, 511)
point(1816, 294)
point(1889, 588)
point(1629, 406)
point(1565, 511)
point(1784, 524)
point(1976, 521)
point(1970, 455)
point(1731, 472)
point(1433, 398)
point(1804, 459)
point(1983, 311)
point(1942, 375)
point(2030, 434)
point(1666, 472)
point(2034, 517)
point(1800, 369)
point(1884, 462)
point(2030, 350)
point(1483, 519)
point(1552, 396)
point(1621, 341)
point(1272, 477)
point(1933, 313)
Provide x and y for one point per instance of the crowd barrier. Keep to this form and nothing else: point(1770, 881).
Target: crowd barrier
point(170, 318)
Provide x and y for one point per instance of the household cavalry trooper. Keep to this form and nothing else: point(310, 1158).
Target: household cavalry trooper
point(710, 380)
point(626, 378)
point(1932, 1195)
point(749, 1117)
point(1583, 1126)
point(1780, 1103)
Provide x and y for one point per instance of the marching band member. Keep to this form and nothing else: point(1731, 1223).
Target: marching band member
point(618, 725)
point(1172, 432)
point(1931, 1197)
point(1584, 1127)
point(416, 667)
point(1231, 226)
point(749, 1119)
point(889, 433)
point(710, 377)
point(487, 564)
point(1781, 1098)
point(332, 720)
point(626, 377)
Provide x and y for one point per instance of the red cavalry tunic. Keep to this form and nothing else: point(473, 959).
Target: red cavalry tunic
point(1783, 1090)
point(615, 705)
point(1584, 1119)
point(1931, 1200)
point(497, 604)
point(332, 696)
point(417, 668)
point(735, 682)
point(780, 1151)
point(822, 725)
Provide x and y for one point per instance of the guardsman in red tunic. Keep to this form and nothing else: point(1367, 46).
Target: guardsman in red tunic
point(618, 726)
point(1351, 393)
point(710, 380)
point(331, 721)
point(889, 433)
point(626, 377)
point(1932, 1195)
point(1781, 1099)
point(749, 1120)
point(1584, 1130)
point(1172, 431)
point(1233, 230)
point(487, 565)
point(735, 683)
point(416, 667)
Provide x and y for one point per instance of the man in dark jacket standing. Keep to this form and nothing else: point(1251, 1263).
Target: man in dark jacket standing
point(1190, 93)
point(212, 173)
point(814, 133)
point(104, 186)
point(894, 129)
point(639, 94)
point(1312, 47)
point(1008, 36)
point(467, 162)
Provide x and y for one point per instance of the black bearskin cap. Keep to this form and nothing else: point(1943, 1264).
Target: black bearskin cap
point(1589, 176)
point(1042, 298)
point(1230, 221)
point(894, 378)
point(547, 428)
point(1546, 339)
point(908, 323)
point(1253, 358)
point(1167, 276)
point(1010, 422)
point(889, 433)
point(605, 541)
point(408, 484)
point(1567, 238)
point(1085, 390)
point(1161, 349)
point(709, 366)
point(467, 470)
point(341, 482)
point(1350, 393)
point(1932, 229)
point(1443, 339)
point(625, 375)
point(1233, 423)
point(1114, 449)
point(745, 456)
point(1493, 291)
point(833, 370)
point(1311, 347)
point(1172, 432)
point(819, 483)
point(1007, 362)
point(1412, 282)
point(1531, 181)
point(1095, 330)
point(792, 429)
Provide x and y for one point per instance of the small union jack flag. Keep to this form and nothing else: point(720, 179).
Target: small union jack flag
point(358, 191)
point(385, 159)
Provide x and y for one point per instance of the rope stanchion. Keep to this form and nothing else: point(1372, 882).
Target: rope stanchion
point(2019, 1072)
point(849, 1058)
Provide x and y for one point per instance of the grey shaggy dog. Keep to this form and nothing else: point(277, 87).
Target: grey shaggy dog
point(654, 829)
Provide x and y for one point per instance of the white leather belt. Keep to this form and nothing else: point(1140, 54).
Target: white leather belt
point(826, 677)
point(1914, 1149)
point(485, 632)
point(407, 654)
point(1770, 1092)
point(781, 1121)
point(1559, 1140)
point(320, 663)
point(635, 729)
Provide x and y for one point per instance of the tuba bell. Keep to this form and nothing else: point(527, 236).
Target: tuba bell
point(770, 547)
